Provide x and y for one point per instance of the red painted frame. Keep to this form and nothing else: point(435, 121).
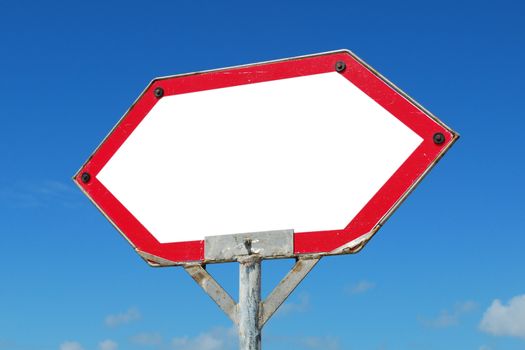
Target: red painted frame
point(368, 220)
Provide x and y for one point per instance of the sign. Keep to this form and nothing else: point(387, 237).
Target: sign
point(308, 155)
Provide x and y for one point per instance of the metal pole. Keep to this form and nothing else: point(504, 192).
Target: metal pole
point(250, 314)
point(249, 302)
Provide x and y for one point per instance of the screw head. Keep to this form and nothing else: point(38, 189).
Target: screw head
point(85, 177)
point(439, 138)
point(158, 92)
point(340, 66)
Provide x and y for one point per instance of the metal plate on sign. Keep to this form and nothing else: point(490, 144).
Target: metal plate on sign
point(273, 244)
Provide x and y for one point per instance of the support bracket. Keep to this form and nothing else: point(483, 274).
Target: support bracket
point(268, 307)
point(287, 285)
point(214, 290)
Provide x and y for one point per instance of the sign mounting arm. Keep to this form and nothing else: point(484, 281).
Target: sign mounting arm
point(287, 285)
point(250, 314)
point(214, 290)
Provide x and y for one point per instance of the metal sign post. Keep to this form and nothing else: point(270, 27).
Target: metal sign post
point(249, 302)
point(250, 314)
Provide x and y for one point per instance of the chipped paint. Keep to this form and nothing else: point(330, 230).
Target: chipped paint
point(354, 246)
point(268, 244)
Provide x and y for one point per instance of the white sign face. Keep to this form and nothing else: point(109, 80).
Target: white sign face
point(274, 155)
point(312, 153)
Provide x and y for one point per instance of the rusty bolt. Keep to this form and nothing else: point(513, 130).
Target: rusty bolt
point(85, 177)
point(248, 245)
point(158, 92)
point(340, 66)
point(439, 138)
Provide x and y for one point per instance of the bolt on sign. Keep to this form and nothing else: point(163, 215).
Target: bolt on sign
point(301, 156)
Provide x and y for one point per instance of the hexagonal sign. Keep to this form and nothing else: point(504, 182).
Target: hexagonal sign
point(307, 155)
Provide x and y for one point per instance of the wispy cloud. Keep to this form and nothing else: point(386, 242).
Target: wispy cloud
point(147, 339)
point(221, 338)
point(302, 305)
point(41, 193)
point(505, 320)
point(484, 347)
point(299, 342)
point(4, 344)
point(382, 347)
point(71, 345)
point(359, 287)
point(108, 344)
point(216, 339)
point(320, 343)
point(448, 318)
point(115, 320)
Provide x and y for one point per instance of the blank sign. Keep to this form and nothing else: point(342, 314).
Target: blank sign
point(304, 153)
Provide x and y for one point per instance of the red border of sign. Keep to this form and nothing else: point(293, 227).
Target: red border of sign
point(368, 220)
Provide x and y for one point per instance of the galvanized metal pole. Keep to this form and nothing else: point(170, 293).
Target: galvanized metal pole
point(249, 302)
point(250, 314)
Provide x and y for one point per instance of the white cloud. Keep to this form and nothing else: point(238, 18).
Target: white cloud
point(360, 287)
point(306, 342)
point(71, 345)
point(448, 318)
point(507, 320)
point(320, 343)
point(122, 318)
point(147, 339)
point(295, 307)
point(215, 339)
point(41, 193)
point(108, 344)
point(202, 342)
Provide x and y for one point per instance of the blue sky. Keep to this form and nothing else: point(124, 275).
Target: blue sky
point(446, 271)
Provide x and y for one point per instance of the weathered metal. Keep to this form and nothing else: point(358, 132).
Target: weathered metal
point(340, 66)
point(287, 285)
point(158, 92)
point(214, 290)
point(250, 314)
point(249, 302)
point(156, 261)
point(85, 177)
point(268, 244)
